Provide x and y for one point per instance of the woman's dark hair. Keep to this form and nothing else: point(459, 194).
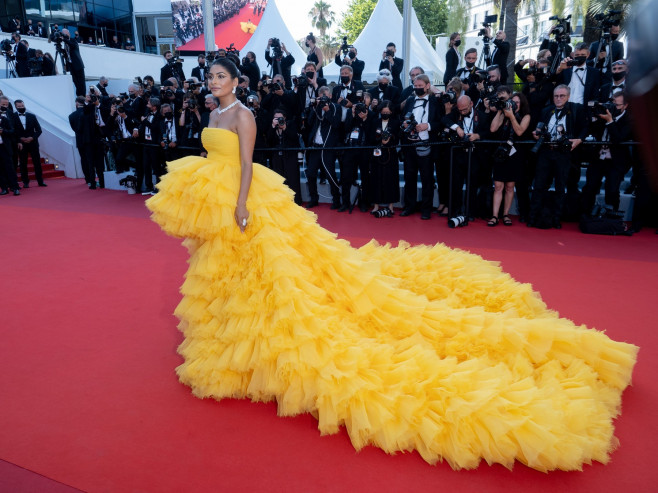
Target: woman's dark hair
point(282, 111)
point(453, 36)
point(385, 104)
point(525, 106)
point(228, 65)
point(310, 37)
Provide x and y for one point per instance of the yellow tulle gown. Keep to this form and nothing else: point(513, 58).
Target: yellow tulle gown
point(409, 348)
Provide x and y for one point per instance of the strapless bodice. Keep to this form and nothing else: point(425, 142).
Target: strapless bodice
point(221, 144)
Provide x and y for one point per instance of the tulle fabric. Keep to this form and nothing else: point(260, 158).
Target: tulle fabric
point(409, 348)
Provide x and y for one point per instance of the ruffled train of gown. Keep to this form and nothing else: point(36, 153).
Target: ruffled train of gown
point(410, 348)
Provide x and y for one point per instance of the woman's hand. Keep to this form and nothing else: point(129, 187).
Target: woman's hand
point(241, 216)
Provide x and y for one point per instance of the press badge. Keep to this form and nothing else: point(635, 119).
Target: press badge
point(377, 152)
point(355, 134)
point(512, 150)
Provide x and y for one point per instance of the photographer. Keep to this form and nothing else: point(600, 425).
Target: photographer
point(306, 85)
point(385, 90)
point(21, 52)
point(384, 161)
point(346, 94)
point(45, 63)
point(275, 95)
point(200, 70)
point(149, 87)
point(280, 64)
point(73, 60)
point(469, 68)
point(393, 64)
point(420, 126)
point(349, 57)
point(102, 86)
point(500, 53)
point(172, 68)
point(135, 105)
point(447, 103)
point(465, 124)
point(189, 123)
point(564, 126)
point(619, 71)
point(584, 82)
point(93, 131)
point(250, 68)
point(324, 124)
point(281, 135)
point(169, 140)
point(357, 127)
point(150, 138)
point(27, 131)
point(125, 130)
point(453, 57)
point(538, 85)
point(611, 50)
point(510, 124)
point(8, 178)
point(611, 161)
point(171, 95)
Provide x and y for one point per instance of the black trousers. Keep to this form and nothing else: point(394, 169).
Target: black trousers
point(442, 164)
point(31, 149)
point(285, 163)
point(551, 165)
point(414, 164)
point(95, 160)
point(355, 161)
point(613, 172)
point(459, 179)
point(79, 82)
point(84, 163)
point(523, 184)
point(8, 179)
point(317, 158)
point(125, 149)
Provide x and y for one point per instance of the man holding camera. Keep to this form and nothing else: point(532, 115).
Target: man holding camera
point(500, 53)
point(27, 131)
point(619, 71)
point(385, 90)
point(123, 126)
point(611, 51)
point(393, 64)
point(563, 126)
point(200, 70)
point(93, 131)
point(274, 55)
point(275, 95)
point(169, 139)
point(172, 68)
point(250, 69)
point(584, 82)
point(324, 122)
point(420, 126)
point(73, 60)
point(282, 135)
point(150, 136)
point(349, 57)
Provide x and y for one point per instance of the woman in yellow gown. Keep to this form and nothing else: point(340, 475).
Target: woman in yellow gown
point(410, 348)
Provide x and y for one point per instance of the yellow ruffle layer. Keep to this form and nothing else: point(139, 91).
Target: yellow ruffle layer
point(410, 348)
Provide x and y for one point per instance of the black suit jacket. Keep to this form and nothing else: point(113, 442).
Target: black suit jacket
point(75, 120)
point(7, 133)
point(500, 58)
point(356, 64)
point(452, 60)
point(606, 89)
point(162, 122)
point(171, 70)
point(355, 85)
point(553, 46)
point(396, 70)
point(154, 125)
point(196, 72)
point(31, 129)
point(481, 122)
point(593, 58)
point(366, 133)
point(74, 50)
point(576, 119)
point(592, 82)
point(434, 114)
point(329, 125)
point(618, 131)
point(281, 66)
point(391, 93)
point(252, 71)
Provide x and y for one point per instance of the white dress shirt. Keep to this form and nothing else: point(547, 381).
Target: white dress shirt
point(577, 85)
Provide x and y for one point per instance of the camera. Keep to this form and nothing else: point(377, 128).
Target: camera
point(322, 101)
point(5, 46)
point(277, 52)
point(542, 131)
point(176, 60)
point(458, 222)
point(390, 53)
point(597, 108)
point(450, 135)
point(240, 92)
point(168, 93)
point(562, 31)
point(382, 135)
point(502, 152)
point(606, 21)
point(300, 81)
point(280, 121)
point(410, 121)
point(488, 20)
point(479, 76)
point(192, 103)
point(345, 47)
point(251, 100)
point(448, 97)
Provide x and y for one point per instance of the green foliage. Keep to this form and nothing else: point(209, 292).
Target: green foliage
point(432, 15)
point(458, 20)
point(355, 18)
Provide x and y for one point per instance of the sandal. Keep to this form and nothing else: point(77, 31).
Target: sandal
point(443, 211)
point(493, 221)
point(507, 221)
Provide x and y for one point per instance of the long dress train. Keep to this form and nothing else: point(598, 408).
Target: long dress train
point(410, 348)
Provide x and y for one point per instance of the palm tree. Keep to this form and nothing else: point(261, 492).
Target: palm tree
point(322, 17)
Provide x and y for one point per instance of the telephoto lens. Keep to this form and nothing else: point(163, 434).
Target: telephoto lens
point(457, 222)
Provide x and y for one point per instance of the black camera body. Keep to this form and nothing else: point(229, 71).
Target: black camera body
point(448, 97)
point(562, 31)
point(450, 135)
point(5, 46)
point(300, 81)
point(390, 53)
point(192, 103)
point(280, 121)
point(345, 47)
point(360, 108)
point(597, 108)
point(410, 121)
point(488, 20)
point(277, 52)
point(322, 101)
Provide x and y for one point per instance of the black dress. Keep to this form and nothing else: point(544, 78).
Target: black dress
point(510, 168)
point(385, 168)
point(313, 57)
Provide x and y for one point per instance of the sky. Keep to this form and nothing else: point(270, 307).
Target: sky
point(295, 15)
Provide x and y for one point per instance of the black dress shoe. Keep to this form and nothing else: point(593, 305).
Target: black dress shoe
point(363, 208)
point(426, 216)
point(311, 204)
point(336, 205)
point(342, 208)
point(26, 185)
point(42, 185)
point(406, 212)
point(4, 192)
point(17, 192)
point(557, 224)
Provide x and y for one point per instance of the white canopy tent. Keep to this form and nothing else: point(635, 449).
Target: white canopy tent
point(272, 26)
point(383, 27)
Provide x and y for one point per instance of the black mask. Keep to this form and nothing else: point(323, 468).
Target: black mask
point(382, 86)
point(307, 44)
point(133, 96)
point(420, 91)
point(352, 55)
point(457, 43)
point(614, 36)
point(4, 108)
point(20, 110)
point(310, 75)
point(470, 64)
point(168, 115)
point(345, 79)
point(385, 116)
point(580, 60)
point(202, 64)
point(617, 76)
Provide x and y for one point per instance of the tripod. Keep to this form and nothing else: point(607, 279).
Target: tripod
point(10, 66)
point(59, 52)
point(485, 56)
point(560, 54)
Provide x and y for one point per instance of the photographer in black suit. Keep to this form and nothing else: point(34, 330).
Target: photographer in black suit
point(351, 59)
point(27, 131)
point(75, 120)
point(282, 134)
point(21, 52)
point(172, 68)
point(92, 133)
point(584, 82)
point(563, 126)
point(618, 83)
point(200, 70)
point(324, 123)
point(125, 131)
point(452, 58)
point(500, 53)
point(8, 179)
point(393, 64)
point(74, 62)
point(612, 50)
point(250, 68)
point(280, 64)
point(150, 136)
point(346, 94)
point(420, 126)
point(385, 90)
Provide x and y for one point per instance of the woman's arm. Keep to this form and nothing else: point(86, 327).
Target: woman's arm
point(496, 122)
point(246, 130)
point(520, 128)
point(318, 53)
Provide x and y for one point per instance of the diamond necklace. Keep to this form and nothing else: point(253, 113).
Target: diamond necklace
point(220, 111)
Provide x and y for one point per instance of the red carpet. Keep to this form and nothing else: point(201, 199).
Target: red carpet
point(90, 400)
point(227, 32)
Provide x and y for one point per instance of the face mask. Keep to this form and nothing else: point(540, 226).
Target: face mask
point(169, 116)
point(614, 36)
point(133, 96)
point(352, 55)
point(382, 86)
point(470, 64)
point(580, 60)
point(345, 79)
point(310, 75)
point(307, 44)
point(617, 76)
point(420, 91)
point(385, 116)
point(20, 110)
point(457, 43)
point(4, 108)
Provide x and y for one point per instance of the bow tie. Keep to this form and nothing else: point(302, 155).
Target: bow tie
point(580, 69)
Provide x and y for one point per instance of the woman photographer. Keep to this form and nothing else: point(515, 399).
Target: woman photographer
point(510, 124)
point(190, 124)
point(384, 163)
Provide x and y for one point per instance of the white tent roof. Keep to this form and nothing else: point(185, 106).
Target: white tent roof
point(272, 26)
point(383, 27)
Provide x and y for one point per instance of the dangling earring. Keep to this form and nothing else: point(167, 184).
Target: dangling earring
point(233, 91)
